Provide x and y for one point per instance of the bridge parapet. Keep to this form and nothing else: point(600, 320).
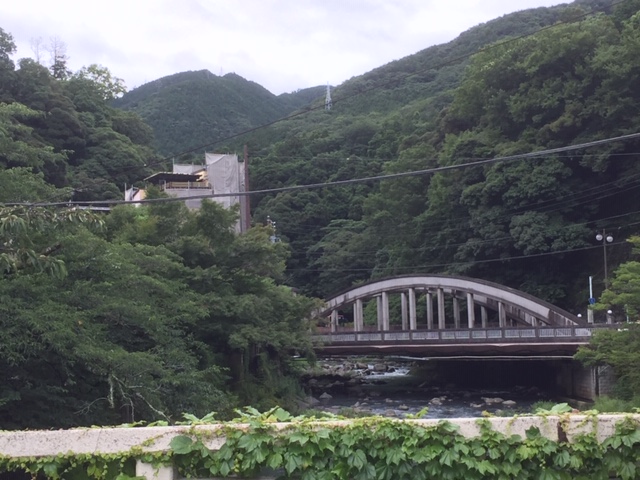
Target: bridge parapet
point(532, 342)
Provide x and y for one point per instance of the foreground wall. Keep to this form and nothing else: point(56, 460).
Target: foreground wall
point(355, 440)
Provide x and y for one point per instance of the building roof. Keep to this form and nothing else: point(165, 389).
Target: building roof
point(172, 177)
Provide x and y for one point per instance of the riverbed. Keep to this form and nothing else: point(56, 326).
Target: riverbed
point(400, 389)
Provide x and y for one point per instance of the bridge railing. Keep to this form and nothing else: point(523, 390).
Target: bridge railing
point(478, 335)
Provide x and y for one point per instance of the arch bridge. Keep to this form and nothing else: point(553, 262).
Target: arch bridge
point(458, 311)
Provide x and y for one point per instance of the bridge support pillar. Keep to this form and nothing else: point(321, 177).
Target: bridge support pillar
point(403, 310)
point(334, 320)
point(358, 320)
point(456, 311)
point(429, 299)
point(412, 309)
point(441, 319)
point(502, 315)
point(385, 311)
point(379, 310)
point(483, 316)
point(471, 313)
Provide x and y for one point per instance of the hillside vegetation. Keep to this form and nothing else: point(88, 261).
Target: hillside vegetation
point(194, 109)
point(528, 224)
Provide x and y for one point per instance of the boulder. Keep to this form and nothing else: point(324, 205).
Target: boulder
point(325, 396)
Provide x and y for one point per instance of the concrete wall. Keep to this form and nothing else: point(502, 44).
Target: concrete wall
point(18, 444)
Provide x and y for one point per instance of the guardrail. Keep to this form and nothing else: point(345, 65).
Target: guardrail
point(579, 334)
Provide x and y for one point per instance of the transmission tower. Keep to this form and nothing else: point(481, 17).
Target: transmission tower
point(327, 100)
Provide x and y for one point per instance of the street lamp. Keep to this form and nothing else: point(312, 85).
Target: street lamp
point(604, 238)
point(609, 316)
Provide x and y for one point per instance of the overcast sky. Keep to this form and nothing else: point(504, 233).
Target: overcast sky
point(283, 45)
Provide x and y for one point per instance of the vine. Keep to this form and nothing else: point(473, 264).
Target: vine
point(276, 444)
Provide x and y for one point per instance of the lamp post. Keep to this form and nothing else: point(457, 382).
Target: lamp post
point(604, 238)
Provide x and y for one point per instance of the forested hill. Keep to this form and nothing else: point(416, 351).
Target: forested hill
point(527, 224)
point(190, 109)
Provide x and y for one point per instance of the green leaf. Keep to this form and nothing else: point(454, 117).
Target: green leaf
point(248, 442)
point(282, 415)
point(533, 433)
point(548, 474)
point(357, 459)
point(562, 459)
point(182, 445)
point(50, 469)
point(561, 408)
point(275, 461)
point(299, 437)
point(291, 462)
point(627, 471)
point(447, 458)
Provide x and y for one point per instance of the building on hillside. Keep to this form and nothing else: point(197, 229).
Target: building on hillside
point(221, 174)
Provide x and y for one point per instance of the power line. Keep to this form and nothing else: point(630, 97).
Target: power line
point(311, 186)
point(466, 263)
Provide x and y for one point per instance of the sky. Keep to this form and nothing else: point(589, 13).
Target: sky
point(283, 45)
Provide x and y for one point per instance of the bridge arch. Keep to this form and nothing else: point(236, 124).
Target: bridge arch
point(512, 306)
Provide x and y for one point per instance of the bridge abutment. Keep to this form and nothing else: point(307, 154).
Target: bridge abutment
point(588, 383)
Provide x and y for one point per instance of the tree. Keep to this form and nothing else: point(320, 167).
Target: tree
point(37, 47)
point(624, 292)
point(619, 349)
point(28, 238)
point(58, 52)
point(109, 86)
point(7, 48)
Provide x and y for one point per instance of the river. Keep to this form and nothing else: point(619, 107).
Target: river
point(398, 388)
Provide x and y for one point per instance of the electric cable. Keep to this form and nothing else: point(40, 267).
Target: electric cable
point(311, 186)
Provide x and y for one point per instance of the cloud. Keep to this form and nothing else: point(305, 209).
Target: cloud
point(281, 44)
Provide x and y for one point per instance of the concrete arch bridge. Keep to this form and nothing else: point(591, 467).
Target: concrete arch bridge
point(471, 315)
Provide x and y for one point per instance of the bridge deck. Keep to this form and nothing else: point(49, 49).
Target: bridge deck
point(532, 341)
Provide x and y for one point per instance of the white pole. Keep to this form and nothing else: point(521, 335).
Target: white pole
point(589, 310)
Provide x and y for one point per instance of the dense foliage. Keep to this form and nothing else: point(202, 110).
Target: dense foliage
point(372, 448)
point(142, 313)
point(528, 224)
point(161, 311)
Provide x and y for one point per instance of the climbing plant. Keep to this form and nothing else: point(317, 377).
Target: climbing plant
point(276, 444)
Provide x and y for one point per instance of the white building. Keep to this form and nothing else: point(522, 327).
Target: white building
point(221, 174)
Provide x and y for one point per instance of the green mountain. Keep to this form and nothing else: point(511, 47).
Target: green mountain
point(568, 79)
point(192, 109)
point(531, 80)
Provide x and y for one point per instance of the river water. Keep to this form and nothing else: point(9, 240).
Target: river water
point(399, 392)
